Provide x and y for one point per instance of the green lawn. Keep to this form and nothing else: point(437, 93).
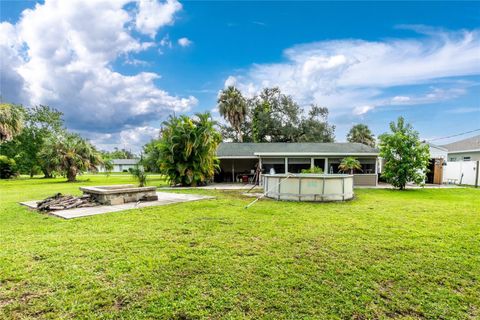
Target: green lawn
point(387, 254)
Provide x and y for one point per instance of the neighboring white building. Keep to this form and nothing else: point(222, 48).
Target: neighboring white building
point(121, 165)
point(464, 150)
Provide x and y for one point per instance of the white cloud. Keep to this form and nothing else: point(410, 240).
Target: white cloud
point(61, 54)
point(355, 75)
point(153, 14)
point(231, 81)
point(184, 42)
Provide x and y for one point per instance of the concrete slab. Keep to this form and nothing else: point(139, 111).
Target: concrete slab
point(218, 186)
point(164, 198)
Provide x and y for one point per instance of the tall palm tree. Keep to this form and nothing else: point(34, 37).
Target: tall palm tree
point(361, 133)
point(233, 108)
point(71, 154)
point(349, 164)
point(11, 121)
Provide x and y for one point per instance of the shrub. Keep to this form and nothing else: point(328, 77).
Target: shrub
point(139, 175)
point(317, 170)
point(7, 167)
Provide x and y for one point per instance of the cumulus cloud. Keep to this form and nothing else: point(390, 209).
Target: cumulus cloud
point(153, 15)
point(61, 53)
point(355, 75)
point(184, 42)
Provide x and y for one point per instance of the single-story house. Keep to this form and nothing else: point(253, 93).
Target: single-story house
point(121, 165)
point(239, 160)
point(464, 150)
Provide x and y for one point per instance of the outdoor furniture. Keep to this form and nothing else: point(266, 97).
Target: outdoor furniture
point(452, 181)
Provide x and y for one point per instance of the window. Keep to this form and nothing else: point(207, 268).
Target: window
point(453, 159)
point(466, 158)
point(296, 165)
point(319, 163)
point(278, 164)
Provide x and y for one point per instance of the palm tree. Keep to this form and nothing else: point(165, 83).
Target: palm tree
point(71, 154)
point(233, 108)
point(361, 133)
point(11, 121)
point(188, 149)
point(349, 164)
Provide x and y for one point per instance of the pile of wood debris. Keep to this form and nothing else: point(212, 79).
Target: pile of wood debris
point(62, 202)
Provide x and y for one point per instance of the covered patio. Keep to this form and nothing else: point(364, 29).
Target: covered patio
point(238, 161)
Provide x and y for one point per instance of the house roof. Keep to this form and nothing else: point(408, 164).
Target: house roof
point(230, 149)
point(469, 144)
point(125, 161)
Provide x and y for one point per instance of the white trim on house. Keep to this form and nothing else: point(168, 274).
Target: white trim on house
point(465, 151)
point(313, 154)
point(237, 157)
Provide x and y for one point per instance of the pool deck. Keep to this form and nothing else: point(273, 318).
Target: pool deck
point(164, 198)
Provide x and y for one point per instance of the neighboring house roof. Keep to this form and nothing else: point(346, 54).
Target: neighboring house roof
point(231, 150)
point(465, 145)
point(125, 161)
point(431, 145)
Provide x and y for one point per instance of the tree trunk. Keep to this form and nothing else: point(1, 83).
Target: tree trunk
point(72, 174)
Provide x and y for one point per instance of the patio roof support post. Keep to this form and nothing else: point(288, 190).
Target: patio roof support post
point(325, 166)
point(233, 170)
point(286, 165)
point(312, 163)
point(376, 171)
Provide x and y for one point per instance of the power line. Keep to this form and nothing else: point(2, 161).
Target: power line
point(455, 135)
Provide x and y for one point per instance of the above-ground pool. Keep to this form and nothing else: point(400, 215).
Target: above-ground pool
point(308, 187)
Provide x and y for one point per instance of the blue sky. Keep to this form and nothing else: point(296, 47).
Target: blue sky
point(117, 69)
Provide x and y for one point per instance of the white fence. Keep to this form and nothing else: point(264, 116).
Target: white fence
point(462, 172)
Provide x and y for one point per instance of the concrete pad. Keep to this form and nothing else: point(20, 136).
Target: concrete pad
point(164, 198)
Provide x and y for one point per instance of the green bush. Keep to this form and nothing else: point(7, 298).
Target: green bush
point(188, 149)
point(317, 170)
point(7, 167)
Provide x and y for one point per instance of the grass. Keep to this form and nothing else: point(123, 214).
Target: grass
point(387, 254)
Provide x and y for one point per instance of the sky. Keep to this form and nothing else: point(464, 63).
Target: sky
point(118, 68)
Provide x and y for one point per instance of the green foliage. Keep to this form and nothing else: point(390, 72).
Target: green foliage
point(233, 107)
point(139, 175)
point(118, 154)
point(188, 149)
point(150, 156)
point(7, 167)
point(70, 154)
point(41, 124)
point(11, 121)
point(360, 133)
point(406, 158)
point(316, 170)
point(349, 164)
point(275, 117)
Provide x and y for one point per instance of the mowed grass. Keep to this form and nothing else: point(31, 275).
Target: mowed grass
point(387, 254)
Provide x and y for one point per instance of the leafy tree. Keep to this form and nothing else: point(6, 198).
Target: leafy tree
point(361, 133)
point(70, 154)
point(275, 117)
point(11, 121)
point(315, 128)
point(233, 107)
point(349, 164)
point(7, 167)
point(406, 158)
point(118, 154)
point(151, 154)
point(41, 123)
point(188, 148)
